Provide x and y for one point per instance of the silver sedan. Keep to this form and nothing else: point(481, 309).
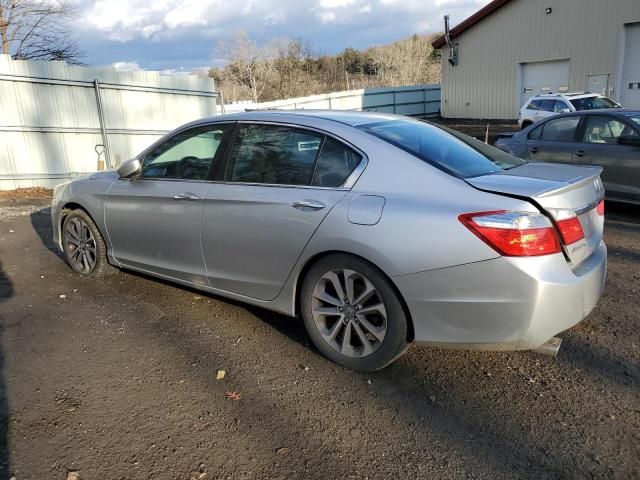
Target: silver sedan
point(377, 230)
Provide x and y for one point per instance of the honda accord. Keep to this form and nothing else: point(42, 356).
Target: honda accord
point(377, 230)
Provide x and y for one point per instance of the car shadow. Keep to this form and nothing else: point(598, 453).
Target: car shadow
point(43, 229)
point(6, 292)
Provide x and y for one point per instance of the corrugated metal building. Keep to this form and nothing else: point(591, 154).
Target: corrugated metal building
point(58, 120)
point(512, 49)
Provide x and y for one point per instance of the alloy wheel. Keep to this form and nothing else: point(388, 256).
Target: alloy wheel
point(80, 245)
point(349, 313)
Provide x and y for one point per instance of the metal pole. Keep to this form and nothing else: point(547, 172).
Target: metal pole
point(221, 103)
point(103, 128)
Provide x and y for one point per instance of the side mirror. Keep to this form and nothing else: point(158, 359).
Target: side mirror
point(129, 168)
point(629, 140)
point(565, 110)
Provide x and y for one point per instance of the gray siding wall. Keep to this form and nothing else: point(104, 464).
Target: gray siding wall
point(486, 82)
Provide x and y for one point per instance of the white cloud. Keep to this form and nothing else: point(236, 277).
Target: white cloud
point(327, 17)
point(127, 66)
point(335, 3)
point(165, 33)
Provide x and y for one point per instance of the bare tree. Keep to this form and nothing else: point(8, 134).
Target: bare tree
point(248, 64)
point(289, 74)
point(38, 29)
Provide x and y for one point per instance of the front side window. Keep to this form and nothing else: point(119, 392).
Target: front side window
point(593, 103)
point(601, 129)
point(560, 106)
point(560, 129)
point(446, 149)
point(547, 105)
point(273, 155)
point(536, 133)
point(187, 155)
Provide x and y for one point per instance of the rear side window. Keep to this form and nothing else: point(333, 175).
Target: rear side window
point(273, 155)
point(593, 103)
point(448, 150)
point(335, 164)
point(560, 129)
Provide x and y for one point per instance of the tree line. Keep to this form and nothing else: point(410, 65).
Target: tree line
point(288, 68)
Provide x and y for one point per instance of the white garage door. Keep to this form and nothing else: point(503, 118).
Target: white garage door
point(544, 77)
point(630, 91)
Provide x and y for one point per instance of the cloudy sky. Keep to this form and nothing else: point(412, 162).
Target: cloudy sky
point(183, 34)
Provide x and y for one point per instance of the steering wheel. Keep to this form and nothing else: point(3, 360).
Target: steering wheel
point(180, 166)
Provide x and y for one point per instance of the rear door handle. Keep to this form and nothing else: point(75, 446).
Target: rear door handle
point(580, 153)
point(186, 196)
point(533, 149)
point(312, 204)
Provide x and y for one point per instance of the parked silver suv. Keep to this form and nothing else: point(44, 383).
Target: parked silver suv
point(543, 106)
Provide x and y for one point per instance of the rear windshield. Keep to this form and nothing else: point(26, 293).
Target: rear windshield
point(446, 149)
point(593, 103)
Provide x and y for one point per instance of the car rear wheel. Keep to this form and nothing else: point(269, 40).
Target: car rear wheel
point(353, 314)
point(84, 247)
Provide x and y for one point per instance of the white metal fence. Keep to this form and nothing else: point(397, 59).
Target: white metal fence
point(58, 121)
point(417, 100)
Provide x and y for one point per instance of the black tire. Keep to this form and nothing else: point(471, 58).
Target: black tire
point(394, 343)
point(100, 267)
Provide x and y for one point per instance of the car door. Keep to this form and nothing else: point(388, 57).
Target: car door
point(153, 220)
point(279, 184)
point(553, 140)
point(598, 145)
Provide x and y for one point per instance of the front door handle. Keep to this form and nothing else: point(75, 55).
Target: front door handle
point(533, 149)
point(580, 153)
point(186, 196)
point(312, 204)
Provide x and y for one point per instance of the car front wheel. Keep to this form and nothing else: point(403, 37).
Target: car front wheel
point(353, 314)
point(83, 245)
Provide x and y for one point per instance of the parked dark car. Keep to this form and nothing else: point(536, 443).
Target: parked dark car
point(606, 138)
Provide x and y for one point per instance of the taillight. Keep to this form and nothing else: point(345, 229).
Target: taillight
point(600, 208)
point(568, 225)
point(514, 234)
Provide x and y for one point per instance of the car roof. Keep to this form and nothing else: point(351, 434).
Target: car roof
point(616, 112)
point(571, 95)
point(351, 118)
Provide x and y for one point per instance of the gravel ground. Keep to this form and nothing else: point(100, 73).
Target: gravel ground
point(117, 380)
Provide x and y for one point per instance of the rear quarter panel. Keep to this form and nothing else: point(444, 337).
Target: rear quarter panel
point(419, 228)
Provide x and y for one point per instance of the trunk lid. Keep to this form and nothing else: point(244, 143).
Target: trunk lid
point(555, 188)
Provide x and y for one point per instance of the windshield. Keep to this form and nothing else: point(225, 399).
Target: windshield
point(446, 149)
point(593, 103)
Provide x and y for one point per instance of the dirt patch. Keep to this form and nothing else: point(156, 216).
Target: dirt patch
point(478, 128)
point(29, 193)
point(120, 379)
